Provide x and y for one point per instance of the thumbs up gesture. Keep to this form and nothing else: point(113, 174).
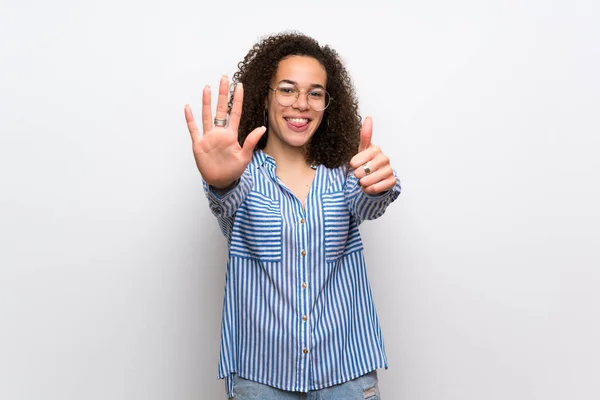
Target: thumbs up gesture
point(371, 167)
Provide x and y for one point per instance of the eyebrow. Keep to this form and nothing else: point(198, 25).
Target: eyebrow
point(314, 85)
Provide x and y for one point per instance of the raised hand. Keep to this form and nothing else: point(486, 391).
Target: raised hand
point(371, 166)
point(219, 157)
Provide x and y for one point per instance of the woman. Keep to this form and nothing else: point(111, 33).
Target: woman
point(298, 315)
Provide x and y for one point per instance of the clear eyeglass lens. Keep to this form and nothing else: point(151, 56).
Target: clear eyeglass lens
point(318, 99)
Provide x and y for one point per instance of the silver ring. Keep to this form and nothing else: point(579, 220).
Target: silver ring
point(366, 168)
point(220, 122)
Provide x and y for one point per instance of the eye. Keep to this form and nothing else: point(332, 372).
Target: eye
point(287, 91)
point(316, 94)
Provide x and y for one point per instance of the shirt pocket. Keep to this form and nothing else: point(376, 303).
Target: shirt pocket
point(336, 219)
point(257, 229)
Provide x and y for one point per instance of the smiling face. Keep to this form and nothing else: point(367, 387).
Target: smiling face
point(294, 125)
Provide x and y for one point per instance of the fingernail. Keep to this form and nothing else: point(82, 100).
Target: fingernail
point(240, 85)
point(207, 87)
point(224, 76)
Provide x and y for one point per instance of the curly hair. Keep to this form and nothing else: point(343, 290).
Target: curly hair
point(337, 138)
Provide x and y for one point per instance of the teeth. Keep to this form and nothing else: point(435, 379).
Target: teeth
point(298, 120)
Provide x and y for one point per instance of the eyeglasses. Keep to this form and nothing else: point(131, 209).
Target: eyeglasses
point(287, 94)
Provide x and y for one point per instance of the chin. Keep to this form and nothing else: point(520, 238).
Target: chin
point(295, 140)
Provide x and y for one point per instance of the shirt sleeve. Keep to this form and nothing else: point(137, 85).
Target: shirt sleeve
point(224, 205)
point(365, 206)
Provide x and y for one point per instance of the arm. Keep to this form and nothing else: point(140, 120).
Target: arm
point(371, 183)
point(222, 162)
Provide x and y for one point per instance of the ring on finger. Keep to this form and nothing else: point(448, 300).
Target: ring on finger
point(220, 122)
point(366, 168)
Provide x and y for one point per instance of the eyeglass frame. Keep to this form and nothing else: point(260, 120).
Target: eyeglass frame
point(298, 95)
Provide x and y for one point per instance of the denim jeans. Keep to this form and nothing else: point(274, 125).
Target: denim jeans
point(362, 388)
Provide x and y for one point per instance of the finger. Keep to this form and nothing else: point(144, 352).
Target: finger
point(236, 109)
point(377, 176)
point(381, 186)
point(366, 132)
point(207, 122)
point(252, 140)
point(223, 97)
point(189, 118)
point(379, 161)
point(364, 156)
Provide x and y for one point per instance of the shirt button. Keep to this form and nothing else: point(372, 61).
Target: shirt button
point(304, 318)
point(304, 285)
point(301, 220)
point(303, 253)
point(305, 351)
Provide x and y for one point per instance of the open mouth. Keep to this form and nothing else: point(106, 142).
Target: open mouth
point(297, 124)
point(297, 121)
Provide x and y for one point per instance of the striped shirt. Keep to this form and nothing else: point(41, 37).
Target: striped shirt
point(298, 312)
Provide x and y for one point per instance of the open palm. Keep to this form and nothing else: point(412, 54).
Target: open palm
point(219, 157)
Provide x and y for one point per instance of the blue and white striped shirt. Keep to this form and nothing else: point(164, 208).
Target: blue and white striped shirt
point(298, 313)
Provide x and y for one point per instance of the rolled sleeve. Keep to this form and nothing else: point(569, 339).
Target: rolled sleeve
point(225, 205)
point(365, 206)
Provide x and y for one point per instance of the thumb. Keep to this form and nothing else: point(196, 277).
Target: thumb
point(252, 139)
point(366, 132)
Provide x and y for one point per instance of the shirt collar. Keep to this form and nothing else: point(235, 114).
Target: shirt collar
point(261, 159)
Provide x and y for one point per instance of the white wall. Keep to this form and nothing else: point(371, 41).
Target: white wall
point(485, 271)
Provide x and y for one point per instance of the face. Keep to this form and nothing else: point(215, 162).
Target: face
point(294, 125)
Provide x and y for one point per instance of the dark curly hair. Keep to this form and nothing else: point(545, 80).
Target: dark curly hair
point(336, 140)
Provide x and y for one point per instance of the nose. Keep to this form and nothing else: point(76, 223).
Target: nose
point(301, 102)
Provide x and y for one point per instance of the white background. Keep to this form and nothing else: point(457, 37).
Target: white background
point(485, 270)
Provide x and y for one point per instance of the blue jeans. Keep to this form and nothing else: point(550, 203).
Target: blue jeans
point(362, 388)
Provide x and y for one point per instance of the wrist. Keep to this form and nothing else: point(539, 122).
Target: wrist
point(224, 187)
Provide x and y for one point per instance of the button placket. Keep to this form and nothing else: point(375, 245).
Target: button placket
point(304, 295)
